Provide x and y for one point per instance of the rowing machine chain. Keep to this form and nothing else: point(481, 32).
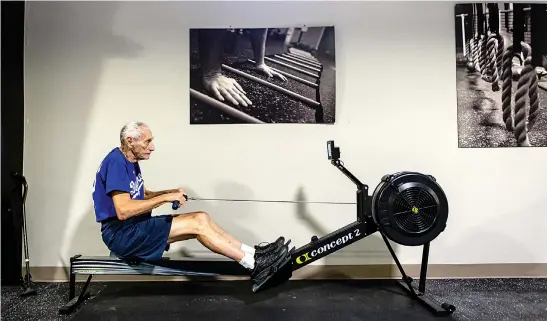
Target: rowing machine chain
point(267, 201)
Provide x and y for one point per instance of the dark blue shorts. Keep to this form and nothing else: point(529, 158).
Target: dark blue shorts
point(143, 237)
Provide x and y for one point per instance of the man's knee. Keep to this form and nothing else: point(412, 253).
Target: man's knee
point(202, 220)
point(194, 223)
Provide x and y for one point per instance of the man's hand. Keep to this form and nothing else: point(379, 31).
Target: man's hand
point(263, 68)
point(541, 72)
point(177, 195)
point(222, 87)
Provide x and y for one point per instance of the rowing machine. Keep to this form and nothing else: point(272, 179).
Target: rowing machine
point(408, 208)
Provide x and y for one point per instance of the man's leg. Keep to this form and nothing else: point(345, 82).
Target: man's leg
point(199, 225)
point(246, 248)
point(229, 237)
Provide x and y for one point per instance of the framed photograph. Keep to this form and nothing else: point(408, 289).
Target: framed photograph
point(501, 60)
point(263, 75)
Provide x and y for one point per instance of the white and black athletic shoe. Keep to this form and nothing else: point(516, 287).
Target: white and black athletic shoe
point(264, 260)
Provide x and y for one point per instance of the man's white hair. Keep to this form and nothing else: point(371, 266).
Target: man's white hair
point(131, 129)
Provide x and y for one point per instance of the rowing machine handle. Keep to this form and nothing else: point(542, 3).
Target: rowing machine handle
point(176, 204)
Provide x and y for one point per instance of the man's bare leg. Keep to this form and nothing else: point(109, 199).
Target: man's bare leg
point(229, 237)
point(198, 225)
point(219, 230)
point(246, 248)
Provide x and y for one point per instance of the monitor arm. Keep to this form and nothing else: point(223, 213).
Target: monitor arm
point(363, 199)
point(334, 157)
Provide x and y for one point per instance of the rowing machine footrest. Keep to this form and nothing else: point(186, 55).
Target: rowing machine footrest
point(277, 275)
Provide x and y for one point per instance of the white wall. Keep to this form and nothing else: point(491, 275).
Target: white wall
point(90, 67)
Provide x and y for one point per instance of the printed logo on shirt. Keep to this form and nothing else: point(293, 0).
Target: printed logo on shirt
point(136, 186)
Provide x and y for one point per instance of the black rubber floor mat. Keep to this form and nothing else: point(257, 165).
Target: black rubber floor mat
point(296, 300)
point(475, 299)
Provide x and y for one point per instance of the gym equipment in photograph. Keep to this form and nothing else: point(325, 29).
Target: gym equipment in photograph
point(288, 61)
point(486, 54)
point(297, 62)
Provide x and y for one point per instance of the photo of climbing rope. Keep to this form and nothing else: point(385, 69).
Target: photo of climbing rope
point(501, 61)
point(263, 75)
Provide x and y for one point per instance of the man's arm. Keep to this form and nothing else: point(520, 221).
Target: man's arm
point(118, 186)
point(258, 42)
point(210, 51)
point(151, 194)
point(127, 207)
point(210, 46)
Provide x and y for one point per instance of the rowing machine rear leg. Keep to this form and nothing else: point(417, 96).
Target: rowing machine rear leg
point(418, 293)
point(75, 301)
point(72, 286)
point(72, 280)
point(438, 309)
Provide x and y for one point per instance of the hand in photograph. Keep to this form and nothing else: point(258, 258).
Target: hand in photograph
point(225, 88)
point(263, 68)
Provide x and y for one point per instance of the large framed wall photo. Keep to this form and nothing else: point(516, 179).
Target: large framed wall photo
point(501, 61)
point(263, 75)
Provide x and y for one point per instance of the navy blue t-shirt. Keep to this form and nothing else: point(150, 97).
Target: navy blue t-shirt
point(115, 173)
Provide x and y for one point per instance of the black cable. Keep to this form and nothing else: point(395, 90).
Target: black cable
point(267, 201)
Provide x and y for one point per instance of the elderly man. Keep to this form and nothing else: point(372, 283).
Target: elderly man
point(124, 207)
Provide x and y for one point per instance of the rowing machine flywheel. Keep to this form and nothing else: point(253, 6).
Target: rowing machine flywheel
point(409, 208)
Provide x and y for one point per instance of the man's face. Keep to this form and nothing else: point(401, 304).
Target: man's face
point(143, 147)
